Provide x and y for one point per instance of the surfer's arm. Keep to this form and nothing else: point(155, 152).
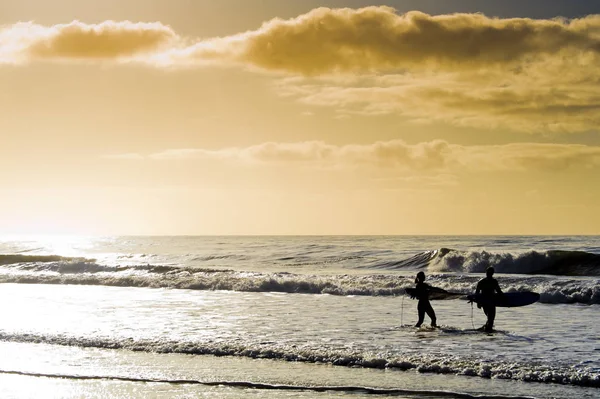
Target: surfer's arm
point(498, 290)
point(477, 291)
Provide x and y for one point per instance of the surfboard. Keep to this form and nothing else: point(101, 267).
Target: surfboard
point(507, 300)
point(436, 295)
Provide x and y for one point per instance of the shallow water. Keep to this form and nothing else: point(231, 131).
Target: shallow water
point(284, 310)
point(350, 331)
point(190, 376)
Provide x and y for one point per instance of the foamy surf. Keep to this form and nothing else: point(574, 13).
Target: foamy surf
point(553, 290)
point(347, 333)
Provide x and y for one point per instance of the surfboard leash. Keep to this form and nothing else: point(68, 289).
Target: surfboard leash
point(472, 324)
point(402, 311)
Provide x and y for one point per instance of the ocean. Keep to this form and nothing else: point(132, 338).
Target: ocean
point(294, 317)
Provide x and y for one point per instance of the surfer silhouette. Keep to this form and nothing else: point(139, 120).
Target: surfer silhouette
point(488, 287)
point(422, 291)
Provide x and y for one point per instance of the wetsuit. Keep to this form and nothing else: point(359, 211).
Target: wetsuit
point(488, 287)
point(422, 293)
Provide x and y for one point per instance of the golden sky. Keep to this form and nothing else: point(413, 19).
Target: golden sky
point(300, 117)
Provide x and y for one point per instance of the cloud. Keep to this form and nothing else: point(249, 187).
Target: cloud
point(539, 100)
point(390, 154)
point(378, 39)
point(465, 69)
point(326, 40)
point(528, 157)
point(108, 40)
point(471, 70)
point(395, 155)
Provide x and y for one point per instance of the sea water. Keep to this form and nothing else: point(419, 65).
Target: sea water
point(171, 317)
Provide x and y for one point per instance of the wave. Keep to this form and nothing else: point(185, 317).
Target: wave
point(526, 372)
point(208, 279)
point(562, 263)
point(555, 262)
point(444, 260)
point(420, 260)
point(271, 387)
point(82, 265)
point(552, 290)
point(20, 258)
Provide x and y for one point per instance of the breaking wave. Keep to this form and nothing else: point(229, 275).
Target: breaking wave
point(562, 277)
point(527, 372)
point(556, 262)
point(560, 263)
point(445, 260)
point(553, 290)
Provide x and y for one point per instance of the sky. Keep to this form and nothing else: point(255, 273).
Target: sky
point(198, 117)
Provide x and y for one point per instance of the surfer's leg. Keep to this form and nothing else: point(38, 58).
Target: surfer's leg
point(432, 317)
point(431, 314)
point(486, 312)
point(491, 314)
point(421, 310)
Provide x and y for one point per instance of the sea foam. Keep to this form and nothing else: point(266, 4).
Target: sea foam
point(525, 371)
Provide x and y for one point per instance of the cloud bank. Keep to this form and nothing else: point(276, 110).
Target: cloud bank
point(434, 156)
point(324, 41)
point(376, 38)
point(543, 99)
point(464, 69)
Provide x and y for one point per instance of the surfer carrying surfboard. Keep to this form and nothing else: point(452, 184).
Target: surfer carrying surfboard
point(421, 292)
point(488, 287)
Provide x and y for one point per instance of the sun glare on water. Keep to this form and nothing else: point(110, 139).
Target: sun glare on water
point(49, 244)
